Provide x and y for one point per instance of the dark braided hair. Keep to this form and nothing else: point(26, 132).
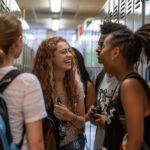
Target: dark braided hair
point(131, 44)
point(108, 27)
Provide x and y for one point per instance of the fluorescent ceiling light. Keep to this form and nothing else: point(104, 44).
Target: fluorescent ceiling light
point(55, 5)
point(55, 24)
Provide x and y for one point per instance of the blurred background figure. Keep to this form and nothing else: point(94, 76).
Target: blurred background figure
point(89, 92)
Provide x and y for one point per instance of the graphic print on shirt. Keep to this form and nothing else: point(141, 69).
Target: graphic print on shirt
point(104, 97)
point(110, 115)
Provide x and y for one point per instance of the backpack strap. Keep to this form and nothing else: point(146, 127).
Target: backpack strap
point(4, 82)
point(8, 78)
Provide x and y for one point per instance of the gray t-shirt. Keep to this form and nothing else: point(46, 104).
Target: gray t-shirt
point(104, 95)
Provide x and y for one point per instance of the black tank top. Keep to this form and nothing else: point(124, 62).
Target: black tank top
point(121, 111)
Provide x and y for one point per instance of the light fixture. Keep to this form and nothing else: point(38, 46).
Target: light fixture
point(55, 6)
point(55, 24)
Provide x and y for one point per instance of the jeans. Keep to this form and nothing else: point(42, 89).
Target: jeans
point(82, 140)
point(71, 146)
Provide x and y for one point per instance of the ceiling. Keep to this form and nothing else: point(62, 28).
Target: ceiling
point(74, 12)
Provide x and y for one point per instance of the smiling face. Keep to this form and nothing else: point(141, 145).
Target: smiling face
point(107, 55)
point(62, 59)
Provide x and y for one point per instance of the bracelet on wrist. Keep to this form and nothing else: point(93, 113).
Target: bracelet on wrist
point(74, 118)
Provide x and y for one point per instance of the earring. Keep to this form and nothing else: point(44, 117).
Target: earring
point(112, 58)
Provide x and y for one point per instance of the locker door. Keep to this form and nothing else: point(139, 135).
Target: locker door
point(122, 12)
point(116, 11)
point(129, 14)
point(147, 11)
point(138, 20)
point(103, 15)
point(110, 14)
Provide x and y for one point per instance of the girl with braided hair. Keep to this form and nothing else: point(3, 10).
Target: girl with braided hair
point(121, 51)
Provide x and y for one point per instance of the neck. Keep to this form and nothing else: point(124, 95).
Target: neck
point(7, 62)
point(121, 75)
point(59, 76)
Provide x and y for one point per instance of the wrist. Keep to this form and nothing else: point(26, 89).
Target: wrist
point(74, 118)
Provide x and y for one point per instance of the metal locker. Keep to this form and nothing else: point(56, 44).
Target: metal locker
point(122, 12)
point(129, 14)
point(147, 11)
point(116, 12)
point(110, 11)
point(138, 14)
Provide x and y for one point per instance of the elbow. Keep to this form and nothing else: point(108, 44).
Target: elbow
point(37, 145)
point(137, 144)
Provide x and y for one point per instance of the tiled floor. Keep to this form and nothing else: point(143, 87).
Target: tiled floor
point(90, 136)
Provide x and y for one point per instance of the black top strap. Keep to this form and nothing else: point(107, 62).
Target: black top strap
point(138, 77)
point(8, 78)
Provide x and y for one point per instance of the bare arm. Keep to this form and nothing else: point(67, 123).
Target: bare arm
point(132, 96)
point(63, 113)
point(90, 98)
point(35, 135)
point(80, 120)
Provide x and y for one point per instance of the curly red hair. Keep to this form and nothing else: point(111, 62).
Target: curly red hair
point(43, 69)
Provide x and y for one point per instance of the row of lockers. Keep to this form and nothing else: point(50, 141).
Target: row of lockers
point(133, 13)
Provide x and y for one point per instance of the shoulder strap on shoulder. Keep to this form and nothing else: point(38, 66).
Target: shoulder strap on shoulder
point(99, 79)
point(137, 76)
point(8, 78)
point(120, 107)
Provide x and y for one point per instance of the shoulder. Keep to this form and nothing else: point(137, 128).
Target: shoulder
point(131, 83)
point(27, 80)
point(132, 86)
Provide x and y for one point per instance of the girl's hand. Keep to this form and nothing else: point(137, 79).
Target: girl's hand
point(90, 115)
point(100, 120)
point(62, 112)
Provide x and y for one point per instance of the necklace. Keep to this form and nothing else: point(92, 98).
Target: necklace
point(62, 96)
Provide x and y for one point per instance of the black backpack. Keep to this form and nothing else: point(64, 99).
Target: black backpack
point(50, 130)
point(6, 140)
